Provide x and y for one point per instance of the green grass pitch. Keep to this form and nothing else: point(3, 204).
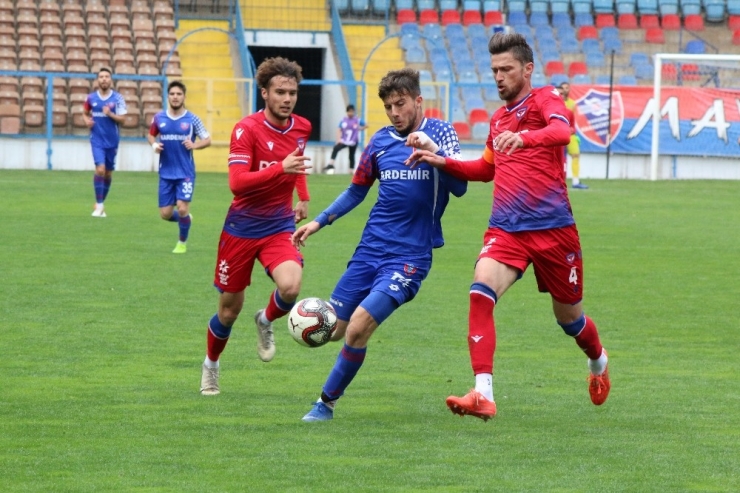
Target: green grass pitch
point(103, 334)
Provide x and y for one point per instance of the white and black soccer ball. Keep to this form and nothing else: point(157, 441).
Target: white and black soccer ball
point(312, 321)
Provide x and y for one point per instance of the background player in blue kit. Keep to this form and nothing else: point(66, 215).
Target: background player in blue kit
point(395, 252)
point(103, 111)
point(177, 128)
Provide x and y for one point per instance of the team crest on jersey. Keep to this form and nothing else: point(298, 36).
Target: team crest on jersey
point(409, 269)
point(592, 117)
point(301, 144)
point(570, 257)
point(184, 125)
point(520, 113)
point(270, 145)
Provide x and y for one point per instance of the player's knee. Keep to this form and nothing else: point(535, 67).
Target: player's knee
point(574, 328)
point(166, 215)
point(290, 292)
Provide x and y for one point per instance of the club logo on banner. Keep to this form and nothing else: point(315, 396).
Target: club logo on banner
point(592, 116)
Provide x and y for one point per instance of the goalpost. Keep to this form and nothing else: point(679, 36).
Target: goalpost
point(709, 64)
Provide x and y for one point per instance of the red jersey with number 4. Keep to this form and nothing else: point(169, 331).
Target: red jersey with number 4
point(530, 192)
point(263, 192)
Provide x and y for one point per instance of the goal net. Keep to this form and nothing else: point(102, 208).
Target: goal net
point(698, 109)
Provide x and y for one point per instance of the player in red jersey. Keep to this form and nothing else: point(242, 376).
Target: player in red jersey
point(531, 221)
point(266, 163)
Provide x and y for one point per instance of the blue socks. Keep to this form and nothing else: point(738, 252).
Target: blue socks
point(346, 367)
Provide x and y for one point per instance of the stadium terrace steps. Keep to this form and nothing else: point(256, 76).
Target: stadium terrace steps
point(361, 39)
point(304, 15)
point(207, 55)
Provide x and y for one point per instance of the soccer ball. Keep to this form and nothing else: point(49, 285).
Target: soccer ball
point(312, 321)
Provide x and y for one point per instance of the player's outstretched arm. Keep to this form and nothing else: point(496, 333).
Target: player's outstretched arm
point(301, 234)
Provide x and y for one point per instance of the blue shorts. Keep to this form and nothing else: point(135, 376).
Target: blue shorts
point(170, 191)
point(103, 155)
point(398, 279)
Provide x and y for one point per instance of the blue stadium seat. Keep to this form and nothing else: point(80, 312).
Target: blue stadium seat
point(733, 7)
point(602, 80)
point(476, 31)
point(560, 7)
point(627, 80)
point(539, 7)
point(416, 54)
point(425, 5)
point(569, 45)
point(342, 6)
point(465, 66)
point(695, 47)
point(468, 77)
point(517, 19)
point(448, 5)
point(538, 79)
point(472, 5)
point(604, 6)
point(583, 19)
point(626, 6)
point(410, 40)
point(581, 79)
point(647, 7)
point(409, 28)
point(582, 6)
point(475, 103)
point(613, 44)
point(690, 7)
point(480, 130)
point(492, 5)
point(595, 60)
point(438, 55)
point(519, 6)
point(609, 32)
point(539, 18)
point(360, 6)
point(640, 58)
point(454, 30)
point(590, 45)
point(557, 79)
point(380, 7)
point(714, 10)
point(668, 7)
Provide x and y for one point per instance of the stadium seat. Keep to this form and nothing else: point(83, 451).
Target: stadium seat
point(613, 44)
point(492, 5)
point(627, 80)
point(517, 19)
point(695, 47)
point(654, 35)
point(492, 17)
point(446, 4)
point(583, 19)
point(733, 22)
point(463, 130)
point(690, 71)
point(554, 67)
point(410, 28)
point(428, 16)
point(627, 21)
point(405, 16)
point(10, 119)
point(736, 37)
point(669, 71)
point(561, 19)
point(576, 68)
point(517, 6)
point(714, 10)
point(451, 17)
point(587, 32)
point(582, 6)
point(694, 22)
point(690, 7)
point(626, 7)
point(479, 115)
point(595, 60)
point(380, 7)
point(481, 130)
point(539, 79)
point(569, 45)
point(603, 80)
point(591, 45)
point(434, 113)
point(605, 20)
point(581, 79)
point(537, 19)
point(671, 22)
point(557, 79)
point(649, 21)
point(666, 7)
point(644, 72)
point(603, 6)
point(733, 8)
point(471, 17)
point(416, 54)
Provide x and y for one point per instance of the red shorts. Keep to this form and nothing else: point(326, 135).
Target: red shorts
point(236, 257)
point(554, 253)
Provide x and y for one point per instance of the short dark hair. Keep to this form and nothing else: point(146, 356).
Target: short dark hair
point(271, 67)
point(177, 83)
point(403, 81)
point(350, 107)
point(513, 42)
point(105, 69)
